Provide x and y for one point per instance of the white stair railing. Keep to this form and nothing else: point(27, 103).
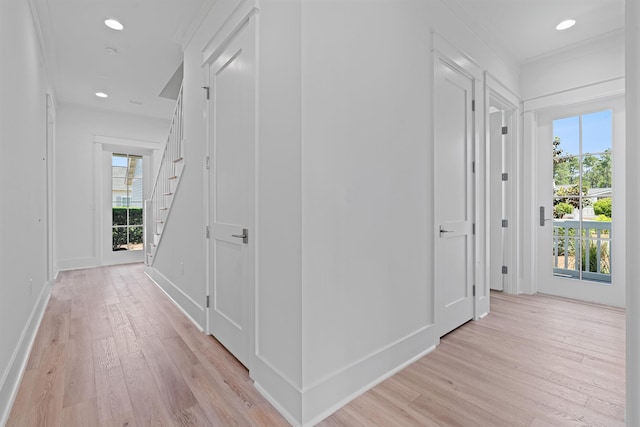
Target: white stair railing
point(158, 207)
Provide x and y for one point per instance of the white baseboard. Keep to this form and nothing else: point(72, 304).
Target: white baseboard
point(10, 381)
point(194, 311)
point(77, 263)
point(326, 396)
point(317, 401)
point(293, 420)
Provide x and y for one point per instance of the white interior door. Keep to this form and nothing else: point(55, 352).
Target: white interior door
point(231, 186)
point(453, 196)
point(576, 241)
point(496, 232)
point(502, 221)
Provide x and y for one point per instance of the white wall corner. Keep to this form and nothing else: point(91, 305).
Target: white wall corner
point(12, 376)
point(193, 28)
point(190, 308)
point(285, 396)
point(308, 406)
point(329, 394)
point(48, 60)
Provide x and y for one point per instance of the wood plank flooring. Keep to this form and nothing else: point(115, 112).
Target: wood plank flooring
point(112, 350)
point(534, 361)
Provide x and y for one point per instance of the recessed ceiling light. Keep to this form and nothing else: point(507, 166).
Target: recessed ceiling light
point(111, 50)
point(114, 25)
point(568, 23)
point(101, 95)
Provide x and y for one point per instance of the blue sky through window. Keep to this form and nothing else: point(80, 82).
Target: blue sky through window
point(596, 133)
point(119, 161)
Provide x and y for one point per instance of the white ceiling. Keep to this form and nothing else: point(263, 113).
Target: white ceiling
point(149, 50)
point(525, 29)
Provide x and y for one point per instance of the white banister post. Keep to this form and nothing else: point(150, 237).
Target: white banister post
point(632, 175)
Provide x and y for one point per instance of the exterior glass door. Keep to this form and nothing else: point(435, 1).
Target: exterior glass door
point(579, 170)
point(582, 196)
point(127, 202)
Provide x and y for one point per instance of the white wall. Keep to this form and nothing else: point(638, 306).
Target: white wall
point(76, 174)
point(367, 193)
point(632, 248)
point(179, 265)
point(280, 313)
point(23, 283)
point(368, 187)
point(583, 65)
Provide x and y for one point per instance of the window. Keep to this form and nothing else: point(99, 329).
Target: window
point(582, 196)
point(127, 200)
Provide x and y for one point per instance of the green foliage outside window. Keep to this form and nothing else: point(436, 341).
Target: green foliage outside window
point(572, 195)
point(120, 216)
point(562, 209)
point(123, 226)
point(603, 207)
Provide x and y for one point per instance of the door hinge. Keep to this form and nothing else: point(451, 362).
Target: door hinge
point(505, 130)
point(505, 223)
point(505, 270)
point(473, 105)
point(505, 177)
point(207, 301)
point(473, 228)
point(207, 162)
point(474, 290)
point(206, 88)
point(206, 231)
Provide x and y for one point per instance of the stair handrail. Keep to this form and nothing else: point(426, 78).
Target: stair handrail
point(171, 155)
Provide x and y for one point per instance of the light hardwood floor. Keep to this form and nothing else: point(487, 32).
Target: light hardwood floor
point(112, 350)
point(533, 361)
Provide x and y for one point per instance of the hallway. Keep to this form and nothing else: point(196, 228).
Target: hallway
point(112, 350)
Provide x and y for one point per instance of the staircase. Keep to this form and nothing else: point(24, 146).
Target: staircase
point(158, 207)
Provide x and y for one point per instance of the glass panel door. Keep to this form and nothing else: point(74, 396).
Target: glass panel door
point(578, 172)
point(582, 196)
point(127, 202)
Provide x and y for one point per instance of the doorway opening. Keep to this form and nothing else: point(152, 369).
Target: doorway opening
point(502, 123)
point(122, 179)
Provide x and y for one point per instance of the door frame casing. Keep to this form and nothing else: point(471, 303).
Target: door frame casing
point(246, 18)
point(613, 293)
point(530, 109)
point(443, 50)
point(49, 152)
point(102, 145)
point(509, 101)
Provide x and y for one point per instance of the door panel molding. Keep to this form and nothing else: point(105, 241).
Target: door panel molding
point(230, 193)
point(496, 94)
point(455, 185)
